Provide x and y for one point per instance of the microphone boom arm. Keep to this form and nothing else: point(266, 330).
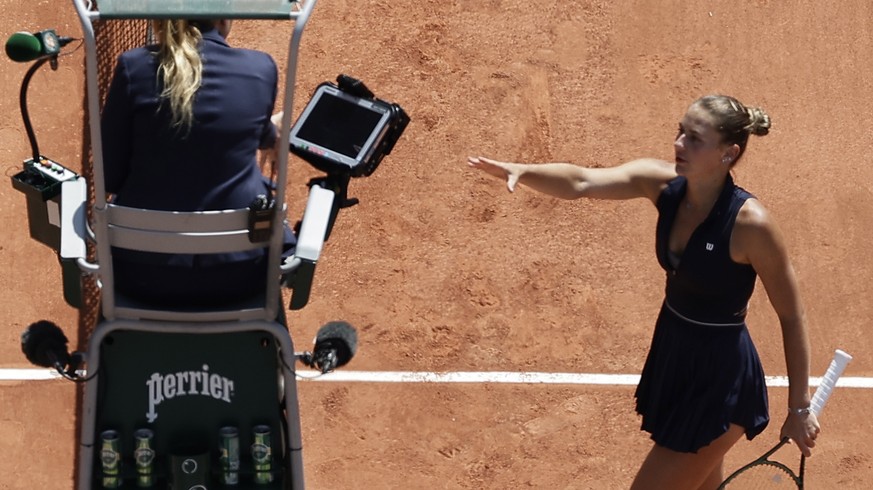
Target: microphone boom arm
point(22, 100)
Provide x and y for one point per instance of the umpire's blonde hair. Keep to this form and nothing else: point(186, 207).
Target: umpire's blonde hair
point(180, 69)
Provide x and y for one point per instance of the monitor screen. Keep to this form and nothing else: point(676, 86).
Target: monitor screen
point(339, 125)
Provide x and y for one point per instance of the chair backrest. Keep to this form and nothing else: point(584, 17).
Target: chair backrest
point(196, 232)
point(179, 232)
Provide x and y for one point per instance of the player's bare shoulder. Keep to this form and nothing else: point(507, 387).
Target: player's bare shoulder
point(752, 215)
point(755, 233)
point(651, 175)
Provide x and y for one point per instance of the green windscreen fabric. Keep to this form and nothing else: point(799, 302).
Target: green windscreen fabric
point(196, 9)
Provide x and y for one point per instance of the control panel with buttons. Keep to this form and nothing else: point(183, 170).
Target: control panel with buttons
point(51, 169)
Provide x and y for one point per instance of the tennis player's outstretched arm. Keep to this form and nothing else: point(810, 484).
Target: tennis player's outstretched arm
point(637, 178)
point(757, 241)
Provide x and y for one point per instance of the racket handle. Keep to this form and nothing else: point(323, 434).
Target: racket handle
point(829, 381)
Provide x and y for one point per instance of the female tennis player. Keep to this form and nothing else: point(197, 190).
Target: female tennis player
point(702, 385)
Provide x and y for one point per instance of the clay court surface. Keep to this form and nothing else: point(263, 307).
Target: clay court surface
point(441, 269)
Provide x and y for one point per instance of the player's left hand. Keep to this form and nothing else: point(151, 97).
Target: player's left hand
point(803, 429)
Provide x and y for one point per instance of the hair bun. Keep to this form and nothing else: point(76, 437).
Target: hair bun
point(759, 121)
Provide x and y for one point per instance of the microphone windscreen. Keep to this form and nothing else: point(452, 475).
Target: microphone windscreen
point(340, 336)
point(23, 46)
point(44, 343)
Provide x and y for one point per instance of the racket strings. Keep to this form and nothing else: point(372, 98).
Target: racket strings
point(763, 476)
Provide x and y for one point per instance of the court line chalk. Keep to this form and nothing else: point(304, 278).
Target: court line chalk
point(534, 378)
point(507, 377)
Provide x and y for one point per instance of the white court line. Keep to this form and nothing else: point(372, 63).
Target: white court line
point(463, 377)
point(534, 378)
point(28, 374)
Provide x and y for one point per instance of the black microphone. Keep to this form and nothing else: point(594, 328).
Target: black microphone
point(44, 344)
point(335, 345)
point(23, 46)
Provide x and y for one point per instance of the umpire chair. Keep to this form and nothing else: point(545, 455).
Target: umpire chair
point(186, 375)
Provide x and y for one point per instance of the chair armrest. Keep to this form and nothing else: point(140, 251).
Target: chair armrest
point(73, 251)
point(300, 268)
point(74, 195)
point(313, 228)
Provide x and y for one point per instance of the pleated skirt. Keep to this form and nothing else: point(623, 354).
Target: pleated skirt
point(697, 380)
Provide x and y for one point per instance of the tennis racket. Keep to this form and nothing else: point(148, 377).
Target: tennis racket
point(764, 473)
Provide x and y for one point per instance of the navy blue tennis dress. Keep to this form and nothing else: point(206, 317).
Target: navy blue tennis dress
point(702, 372)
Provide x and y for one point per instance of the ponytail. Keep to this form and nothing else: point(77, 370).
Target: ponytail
point(180, 68)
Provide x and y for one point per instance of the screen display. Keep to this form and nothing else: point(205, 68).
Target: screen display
point(339, 125)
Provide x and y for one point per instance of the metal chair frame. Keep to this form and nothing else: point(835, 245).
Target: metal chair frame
point(185, 232)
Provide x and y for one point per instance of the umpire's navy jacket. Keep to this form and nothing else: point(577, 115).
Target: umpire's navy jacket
point(149, 164)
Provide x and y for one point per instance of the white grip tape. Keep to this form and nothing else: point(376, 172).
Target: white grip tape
point(829, 381)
